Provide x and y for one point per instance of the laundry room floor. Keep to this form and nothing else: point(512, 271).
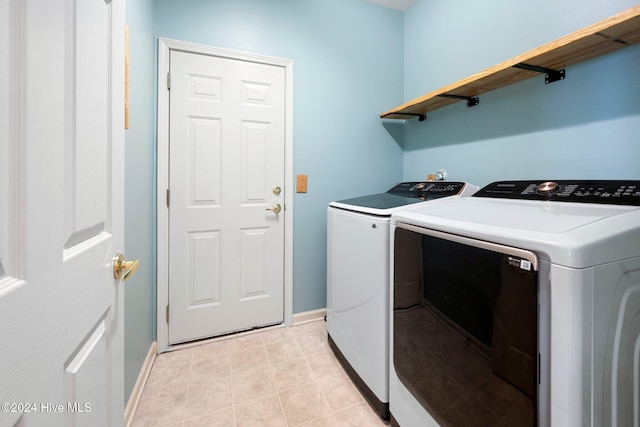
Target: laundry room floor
point(277, 377)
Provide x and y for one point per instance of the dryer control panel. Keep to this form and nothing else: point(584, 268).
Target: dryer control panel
point(615, 192)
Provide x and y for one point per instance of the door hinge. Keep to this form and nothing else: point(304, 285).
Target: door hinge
point(168, 195)
point(167, 313)
point(169, 80)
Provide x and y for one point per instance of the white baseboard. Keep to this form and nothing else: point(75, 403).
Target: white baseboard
point(309, 316)
point(136, 393)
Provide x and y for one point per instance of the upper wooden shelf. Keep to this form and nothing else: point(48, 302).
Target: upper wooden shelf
point(608, 35)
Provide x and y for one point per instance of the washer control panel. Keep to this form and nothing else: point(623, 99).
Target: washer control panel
point(424, 189)
point(615, 192)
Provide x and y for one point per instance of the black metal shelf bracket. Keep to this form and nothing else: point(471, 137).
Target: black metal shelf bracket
point(552, 75)
point(421, 117)
point(471, 102)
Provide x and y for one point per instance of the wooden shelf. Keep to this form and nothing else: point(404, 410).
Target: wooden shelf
point(608, 35)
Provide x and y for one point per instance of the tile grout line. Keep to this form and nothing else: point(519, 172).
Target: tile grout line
point(187, 392)
point(315, 381)
point(233, 397)
point(270, 365)
point(284, 415)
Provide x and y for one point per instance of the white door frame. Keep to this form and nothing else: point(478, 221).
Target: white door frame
point(164, 48)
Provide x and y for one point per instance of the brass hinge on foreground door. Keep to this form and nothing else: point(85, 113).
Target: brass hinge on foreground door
point(168, 197)
point(169, 81)
point(167, 313)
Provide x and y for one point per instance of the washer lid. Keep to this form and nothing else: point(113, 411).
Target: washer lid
point(377, 201)
point(403, 194)
point(571, 234)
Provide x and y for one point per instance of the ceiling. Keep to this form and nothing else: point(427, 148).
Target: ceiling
point(401, 5)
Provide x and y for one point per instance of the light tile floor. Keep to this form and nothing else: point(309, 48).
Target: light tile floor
point(276, 377)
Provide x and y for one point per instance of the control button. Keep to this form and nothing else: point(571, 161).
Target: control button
point(548, 187)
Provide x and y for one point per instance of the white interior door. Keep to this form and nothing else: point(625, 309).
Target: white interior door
point(61, 212)
point(226, 237)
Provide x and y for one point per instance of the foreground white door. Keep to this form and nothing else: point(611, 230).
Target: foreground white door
point(61, 212)
point(226, 179)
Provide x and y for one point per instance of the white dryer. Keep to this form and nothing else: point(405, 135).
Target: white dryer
point(358, 277)
point(530, 307)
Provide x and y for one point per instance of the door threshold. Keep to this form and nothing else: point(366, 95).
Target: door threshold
point(235, 334)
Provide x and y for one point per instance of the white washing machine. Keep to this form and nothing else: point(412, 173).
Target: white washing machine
point(358, 277)
point(530, 311)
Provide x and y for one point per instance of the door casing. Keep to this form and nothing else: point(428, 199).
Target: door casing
point(164, 48)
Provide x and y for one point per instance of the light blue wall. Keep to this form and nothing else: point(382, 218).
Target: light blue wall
point(586, 126)
point(140, 296)
point(348, 60)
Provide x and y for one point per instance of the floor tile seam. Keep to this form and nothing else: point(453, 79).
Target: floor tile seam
point(235, 405)
point(233, 400)
point(326, 401)
point(284, 416)
point(308, 366)
point(191, 382)
point(328, 377)
point(237, 371)
point(205, 413)
point(333, 417)
point(208, 377)
point(272, 365)
point(186, 394)
point(306, 358)
point(188, 351)
point(247, 349)
point(233, 409)
point(351, 407)
point(344, 375)
point(297, 348)
point(273, 362)
point(307, 421)
point(325, 396)
point(188, 385)
point(242, 368)
point(207, 357)
point(312, 381)
point(277, 339)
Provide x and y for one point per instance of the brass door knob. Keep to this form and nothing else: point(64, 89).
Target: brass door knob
point(123, 269)
point(276, 208)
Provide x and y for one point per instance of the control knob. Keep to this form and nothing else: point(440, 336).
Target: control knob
point(547, 188)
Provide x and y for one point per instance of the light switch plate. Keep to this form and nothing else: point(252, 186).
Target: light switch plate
point(301, 183)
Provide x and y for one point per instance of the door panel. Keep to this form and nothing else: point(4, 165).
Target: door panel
point(86, 151)
point(205, 265)
point(207, 166)
point(88, 378)
point(253, 283)
point(11, 160)
point(62, 214)
point(226, 150)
